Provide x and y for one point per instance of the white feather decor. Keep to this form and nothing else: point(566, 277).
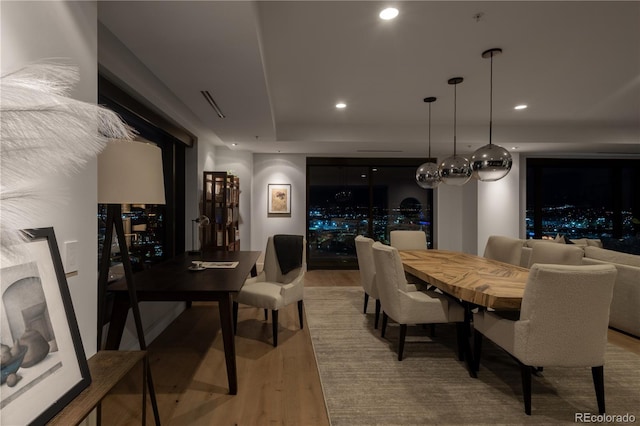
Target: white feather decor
point(44, 133)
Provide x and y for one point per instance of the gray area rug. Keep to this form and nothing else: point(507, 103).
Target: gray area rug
point(365, 384)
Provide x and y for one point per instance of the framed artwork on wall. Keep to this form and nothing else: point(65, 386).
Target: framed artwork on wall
point(279, 199)
point(43, 362)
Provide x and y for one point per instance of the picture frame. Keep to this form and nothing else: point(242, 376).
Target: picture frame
point(39, 325)
point(279, 199)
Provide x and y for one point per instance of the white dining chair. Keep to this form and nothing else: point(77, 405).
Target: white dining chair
point(405, 305)
point(556, 253)
point(281, 281)
point(563, 323)
point(503, 249)
point(408, 240)
point(367, 270)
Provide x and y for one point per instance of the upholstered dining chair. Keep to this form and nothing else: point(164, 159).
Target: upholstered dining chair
point(403, 304)
point(281, 281)
point(367, 269)
point(563, 323)
point(556, 253)
point(408, 240)
point(503, 249)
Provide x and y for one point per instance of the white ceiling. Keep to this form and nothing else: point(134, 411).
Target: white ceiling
point(276, 69)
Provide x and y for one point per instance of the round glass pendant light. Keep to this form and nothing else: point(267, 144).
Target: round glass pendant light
point(491, 162)
point(428, 174)
point(455, 170)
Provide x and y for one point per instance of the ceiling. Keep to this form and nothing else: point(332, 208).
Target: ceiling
point(277, 69)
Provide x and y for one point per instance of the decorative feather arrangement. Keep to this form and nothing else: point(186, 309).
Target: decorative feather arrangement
point(43, 133)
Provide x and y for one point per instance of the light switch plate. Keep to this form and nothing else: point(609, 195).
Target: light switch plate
point(71, 261)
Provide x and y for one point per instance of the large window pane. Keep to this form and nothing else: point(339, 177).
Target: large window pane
point(367, 197)
point(582, 198)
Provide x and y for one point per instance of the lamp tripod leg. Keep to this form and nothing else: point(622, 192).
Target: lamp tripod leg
point(133, 298)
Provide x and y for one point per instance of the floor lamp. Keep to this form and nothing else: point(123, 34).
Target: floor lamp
point(129, 172)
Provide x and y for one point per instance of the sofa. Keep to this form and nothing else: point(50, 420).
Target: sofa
point(625, 305)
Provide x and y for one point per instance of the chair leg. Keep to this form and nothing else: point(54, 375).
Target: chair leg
point(384, 323)
point(300, 304)
point(477, 349)
point(235, 317)
point(274, 319)
point(525, 372)
point(375, 323)
point(403, 335)
point(366, 301)
point(598, 383)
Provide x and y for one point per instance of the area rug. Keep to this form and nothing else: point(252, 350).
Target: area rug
point(365, 384)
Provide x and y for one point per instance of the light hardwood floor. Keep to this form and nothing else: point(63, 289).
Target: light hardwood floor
point(276, 386)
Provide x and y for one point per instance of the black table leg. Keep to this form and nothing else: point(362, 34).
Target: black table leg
point(226, 323)
point(466, 329)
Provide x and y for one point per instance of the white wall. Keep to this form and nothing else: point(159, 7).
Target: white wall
point(499, 210)
point(32, 31)
point(455, 218)
point(277, 168)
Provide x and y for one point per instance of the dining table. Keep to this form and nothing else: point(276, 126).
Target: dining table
point(476, 281)
point(215, 276)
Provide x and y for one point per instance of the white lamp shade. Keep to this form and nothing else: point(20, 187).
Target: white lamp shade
point(130, 172)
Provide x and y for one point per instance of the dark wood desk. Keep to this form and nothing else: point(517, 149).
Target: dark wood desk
point(173, 281)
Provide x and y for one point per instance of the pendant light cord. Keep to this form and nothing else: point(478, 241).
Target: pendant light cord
point(491, 99)
point(454, 118)
point(429, 154)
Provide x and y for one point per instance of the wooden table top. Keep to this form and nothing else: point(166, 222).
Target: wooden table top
point(172, 280)
point(474, 279)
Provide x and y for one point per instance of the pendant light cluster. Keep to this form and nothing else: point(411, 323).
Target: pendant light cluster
point(489, 163)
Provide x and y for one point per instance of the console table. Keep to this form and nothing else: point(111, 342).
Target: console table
point(107, 368)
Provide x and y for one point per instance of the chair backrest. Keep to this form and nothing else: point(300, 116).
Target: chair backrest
point(565, 315)
point(367, 268)
point(503, 249)
point(272, 270)
point(556, 253)
point(390, 277)
point(408, 240)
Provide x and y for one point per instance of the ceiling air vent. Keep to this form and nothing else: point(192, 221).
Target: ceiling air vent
point(212, 102)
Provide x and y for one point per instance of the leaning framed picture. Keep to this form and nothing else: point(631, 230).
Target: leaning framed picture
point(43, 362)
point(279, 199)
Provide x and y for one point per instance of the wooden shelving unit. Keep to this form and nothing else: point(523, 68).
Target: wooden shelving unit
point(220, 203)
point(107, 368)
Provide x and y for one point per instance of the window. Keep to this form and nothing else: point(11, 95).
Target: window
point(154, 232)
point(347, 197)
point(583, 198)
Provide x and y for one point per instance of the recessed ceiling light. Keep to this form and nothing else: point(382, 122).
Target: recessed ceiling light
point(520, 107)
point(389, 13)
point(341, 105)
point(514, 148)
point(234, 144)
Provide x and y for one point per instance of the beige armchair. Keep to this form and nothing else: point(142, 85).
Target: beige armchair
point(367, 273)
point(408, 240)
point(555, 253)
point(503, 249)
point(281, 281)
point(405, 305)
point(563, 323)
